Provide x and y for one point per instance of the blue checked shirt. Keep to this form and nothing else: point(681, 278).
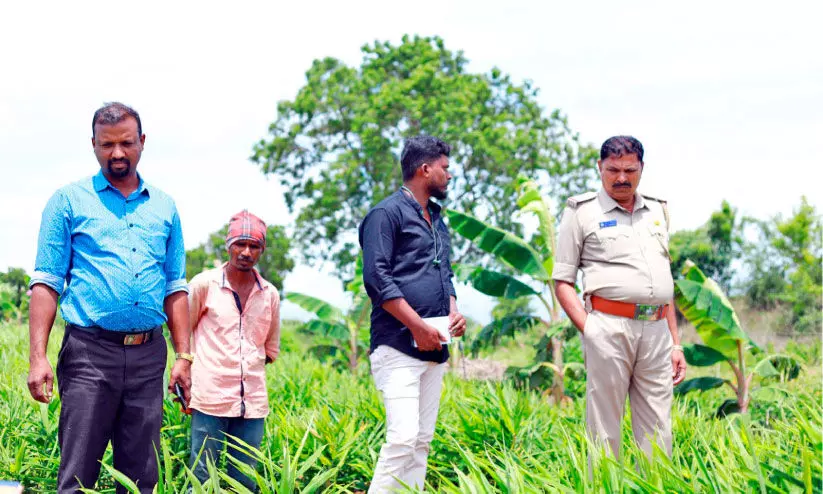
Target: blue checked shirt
point(118, 258)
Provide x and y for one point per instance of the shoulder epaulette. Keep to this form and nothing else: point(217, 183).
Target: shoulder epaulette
point(575, 201)
point(646, 196)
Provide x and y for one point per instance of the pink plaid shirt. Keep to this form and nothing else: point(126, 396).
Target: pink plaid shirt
point(230, 347)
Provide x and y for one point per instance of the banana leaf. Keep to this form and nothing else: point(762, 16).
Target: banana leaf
point(492, 333)
point(323, 310)
point(702, 356)
point(531, 201)
point(493, 283)
point(508, 248)
point(704, 383)
point(709, 310)
point(319, 327)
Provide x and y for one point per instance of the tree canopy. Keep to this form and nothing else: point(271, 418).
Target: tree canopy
point(335, 147)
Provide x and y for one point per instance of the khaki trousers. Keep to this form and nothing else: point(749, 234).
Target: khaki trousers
point(628, 357)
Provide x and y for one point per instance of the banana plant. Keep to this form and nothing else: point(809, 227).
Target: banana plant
point(340, 333)
point(704, 304)
point(514, 252)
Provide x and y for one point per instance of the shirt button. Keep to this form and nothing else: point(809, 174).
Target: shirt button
point(131, 225)
point(136, 275)
point(134, 249)
point(136, 303)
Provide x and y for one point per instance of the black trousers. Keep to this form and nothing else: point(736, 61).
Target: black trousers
point(109, 392)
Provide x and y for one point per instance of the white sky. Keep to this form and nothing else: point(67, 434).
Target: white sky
point(727, 97)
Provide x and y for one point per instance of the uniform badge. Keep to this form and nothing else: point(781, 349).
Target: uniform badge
point(606, 224)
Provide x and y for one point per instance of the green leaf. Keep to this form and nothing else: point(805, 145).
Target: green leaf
point(704, 383)
point(786, 366)
point(323, 310)
point(492, 333)
point(334, 330)
point(493, 283)
point(709, 310)
point(765, 369)
point(728, 407)
point(508, 248)
point(702, 356)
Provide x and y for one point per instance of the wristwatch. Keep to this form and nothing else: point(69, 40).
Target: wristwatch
point(676, 348)
point(185, 356)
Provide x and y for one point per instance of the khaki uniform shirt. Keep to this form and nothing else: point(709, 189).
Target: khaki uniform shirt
point(624, 256)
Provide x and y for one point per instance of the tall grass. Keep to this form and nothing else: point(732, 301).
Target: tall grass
point(326, 427)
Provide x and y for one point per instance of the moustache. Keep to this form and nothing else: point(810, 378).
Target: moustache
point(125, 161)
point(621, 185)
point(244, 259)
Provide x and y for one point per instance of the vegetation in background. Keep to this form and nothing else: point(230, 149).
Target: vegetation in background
point(706, 306)
point(326, 426)
point(515, 254)
point(335, 147)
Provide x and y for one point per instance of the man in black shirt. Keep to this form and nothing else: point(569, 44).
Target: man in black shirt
point(407, 274)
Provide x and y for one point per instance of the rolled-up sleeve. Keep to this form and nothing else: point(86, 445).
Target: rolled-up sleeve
point(569, 246)
point(51, 266)
point(377, 239)
point(175, 265)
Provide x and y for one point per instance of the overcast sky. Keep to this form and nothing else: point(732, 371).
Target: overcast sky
point(727, 97)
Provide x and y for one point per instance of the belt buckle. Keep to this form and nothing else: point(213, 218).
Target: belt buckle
point(133, 339)
point(646, 312)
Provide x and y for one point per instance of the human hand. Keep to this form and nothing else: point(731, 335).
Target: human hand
point(678, 366)
point(41, 379)
point(457, 324)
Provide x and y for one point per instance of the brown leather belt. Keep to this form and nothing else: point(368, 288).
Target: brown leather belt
point(120, 337)
point(642, 312)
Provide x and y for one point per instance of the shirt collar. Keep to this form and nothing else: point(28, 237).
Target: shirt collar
point(225, 283)
point(433, 206)
point(607, 203)
point(101, 183)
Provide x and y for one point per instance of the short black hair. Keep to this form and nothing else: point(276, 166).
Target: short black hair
point(111, 113)
point(418, 150)
point(618, 146)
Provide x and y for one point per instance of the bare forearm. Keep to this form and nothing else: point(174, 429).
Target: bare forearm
point(176, 306)
point(671, 318)
point(42, 311)
point(567, 297)
point(452, 305)
point(403, 312)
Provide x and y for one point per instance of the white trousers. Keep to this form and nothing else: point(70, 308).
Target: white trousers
point(411, 395)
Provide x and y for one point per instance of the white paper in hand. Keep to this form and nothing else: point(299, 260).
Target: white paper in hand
point(439, 323)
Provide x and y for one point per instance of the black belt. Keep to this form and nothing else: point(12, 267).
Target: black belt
point(121, 337)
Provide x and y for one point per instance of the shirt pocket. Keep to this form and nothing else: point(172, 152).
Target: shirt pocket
point(658, 240)
point(616, 241)
point(259, 330)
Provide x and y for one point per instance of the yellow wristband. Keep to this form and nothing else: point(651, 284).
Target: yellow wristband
point(186, 356)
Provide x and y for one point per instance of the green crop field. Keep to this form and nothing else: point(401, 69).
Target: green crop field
point(326, 427)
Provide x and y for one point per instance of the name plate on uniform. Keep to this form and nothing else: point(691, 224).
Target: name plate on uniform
point(606, 224)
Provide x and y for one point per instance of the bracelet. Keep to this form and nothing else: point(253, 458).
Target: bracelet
point(185, 356)
point(677, 348)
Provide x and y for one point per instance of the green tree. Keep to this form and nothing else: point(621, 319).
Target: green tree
point(274, 264)
point(18, 280)
point(785, 267)
point(712, 246)
point(335, 147)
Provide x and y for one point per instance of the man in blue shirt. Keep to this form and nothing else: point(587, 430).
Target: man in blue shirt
point(407, 274)
point(111, 248)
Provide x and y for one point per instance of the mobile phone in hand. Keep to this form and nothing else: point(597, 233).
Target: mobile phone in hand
point(182, 397)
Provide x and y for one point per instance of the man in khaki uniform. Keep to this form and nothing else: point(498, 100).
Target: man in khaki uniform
point(619, 239)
